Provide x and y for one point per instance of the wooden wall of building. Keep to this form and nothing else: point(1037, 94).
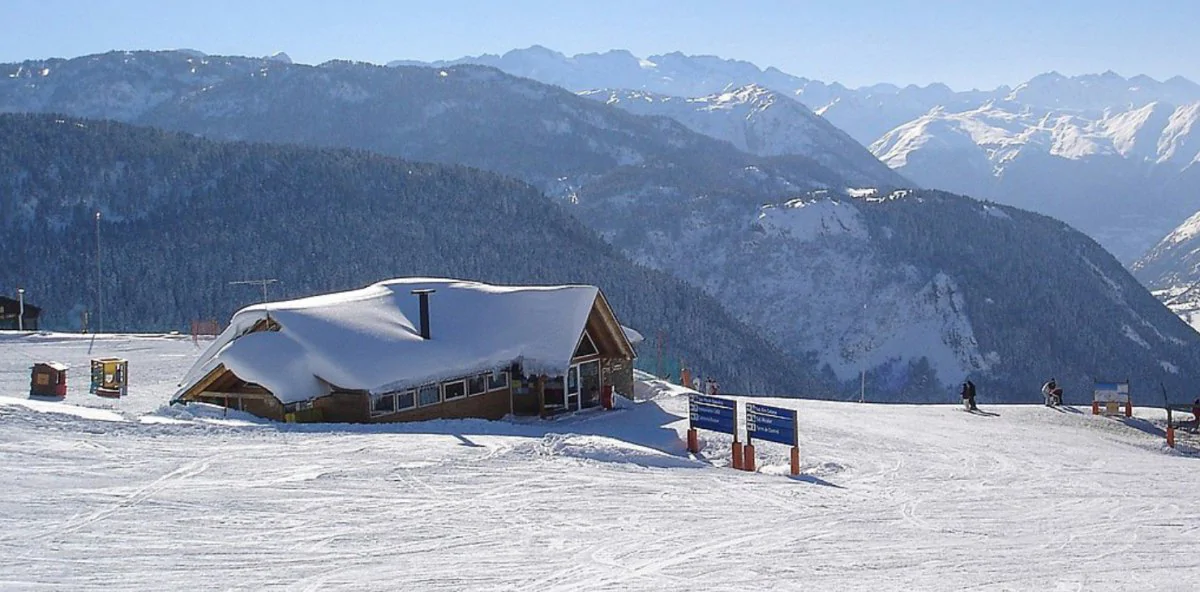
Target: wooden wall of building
point(490, 405)
point(619, 373)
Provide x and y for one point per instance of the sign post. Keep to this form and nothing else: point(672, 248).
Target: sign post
point(716, 414)
point(773, 424)
point(1109, 397)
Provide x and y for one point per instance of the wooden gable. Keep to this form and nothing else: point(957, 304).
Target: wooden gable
point(604, 332)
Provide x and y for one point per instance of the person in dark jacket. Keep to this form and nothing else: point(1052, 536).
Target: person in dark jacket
point(968, 396)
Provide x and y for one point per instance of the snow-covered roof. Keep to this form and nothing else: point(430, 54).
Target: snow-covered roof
point(59, 366)
point(633, 336)
point(369, 339)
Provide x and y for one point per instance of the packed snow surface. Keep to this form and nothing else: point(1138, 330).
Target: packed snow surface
point(122, 494)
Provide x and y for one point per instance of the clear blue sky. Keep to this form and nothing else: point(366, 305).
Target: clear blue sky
point(972, 43)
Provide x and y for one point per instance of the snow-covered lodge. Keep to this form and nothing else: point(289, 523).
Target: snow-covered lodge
point(417, 348)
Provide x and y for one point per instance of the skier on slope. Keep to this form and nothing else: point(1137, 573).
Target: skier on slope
point(968, 395)
point(1052, 393)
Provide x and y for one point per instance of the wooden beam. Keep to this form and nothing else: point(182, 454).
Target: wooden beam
point(232, 395)
point(205, 382)
point(541, 392)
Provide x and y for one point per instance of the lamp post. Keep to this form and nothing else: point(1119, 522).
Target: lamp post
point(99, 280)
point(21, 309)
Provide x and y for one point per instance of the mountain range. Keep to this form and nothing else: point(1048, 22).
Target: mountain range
point(916, 288)
point(764, 122)
point(1113, 156)
point(182, 217)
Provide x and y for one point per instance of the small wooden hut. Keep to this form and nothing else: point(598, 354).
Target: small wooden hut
point(49, 379)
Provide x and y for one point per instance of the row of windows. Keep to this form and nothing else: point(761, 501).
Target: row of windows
point(433, 394)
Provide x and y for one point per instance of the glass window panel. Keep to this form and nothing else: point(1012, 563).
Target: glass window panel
point(497, 381)
point(477, 384)
point(455, 390)
point(429, 394)
point(384, 404)
point(406, 400)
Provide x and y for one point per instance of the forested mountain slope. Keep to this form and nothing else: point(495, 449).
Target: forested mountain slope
point(182, 216)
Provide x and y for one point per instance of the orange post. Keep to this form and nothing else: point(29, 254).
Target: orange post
point(737, 455)
point(795, 460)
point(693, 441)
point(1095, 407)
point(748, 463)
point(1128, 408)
point(1170, 435)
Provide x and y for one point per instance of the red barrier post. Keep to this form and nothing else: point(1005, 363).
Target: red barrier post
point(606, 397)
point(1095, 407)
point(693, 441)
point(795, 460)
point(1128, 408)
point(1170, 435)
point(748, 463)
point(737, 454)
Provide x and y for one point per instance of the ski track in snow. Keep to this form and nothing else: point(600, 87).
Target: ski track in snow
point(892, 497)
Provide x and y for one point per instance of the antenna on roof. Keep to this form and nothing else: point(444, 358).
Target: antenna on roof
point(263, 283)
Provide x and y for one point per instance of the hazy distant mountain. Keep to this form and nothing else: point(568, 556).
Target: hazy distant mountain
point(1100, 151)
point(761, 121)
point(1121, 176)
point(865, 113)
point(1174, 263)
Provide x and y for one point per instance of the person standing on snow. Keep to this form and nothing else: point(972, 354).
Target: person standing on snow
point(966, 396)
point(971, 395)
point(696, 384)
point(712, 387)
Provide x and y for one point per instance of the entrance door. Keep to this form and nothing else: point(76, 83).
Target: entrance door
point(573, 388)
point(589, 383)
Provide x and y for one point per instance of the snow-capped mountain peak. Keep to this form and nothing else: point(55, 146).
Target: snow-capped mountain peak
point(761, 121)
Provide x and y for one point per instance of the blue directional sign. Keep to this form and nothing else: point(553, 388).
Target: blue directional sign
point(712, 413)
point(773, 424)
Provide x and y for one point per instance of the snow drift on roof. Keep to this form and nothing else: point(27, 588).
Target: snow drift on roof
point(369, 339)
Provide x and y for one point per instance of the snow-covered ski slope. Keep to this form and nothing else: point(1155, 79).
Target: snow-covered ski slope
point(124, 495)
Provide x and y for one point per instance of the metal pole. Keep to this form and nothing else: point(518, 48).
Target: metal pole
point(263, 283)
point(99, 280)
point(21, 309)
